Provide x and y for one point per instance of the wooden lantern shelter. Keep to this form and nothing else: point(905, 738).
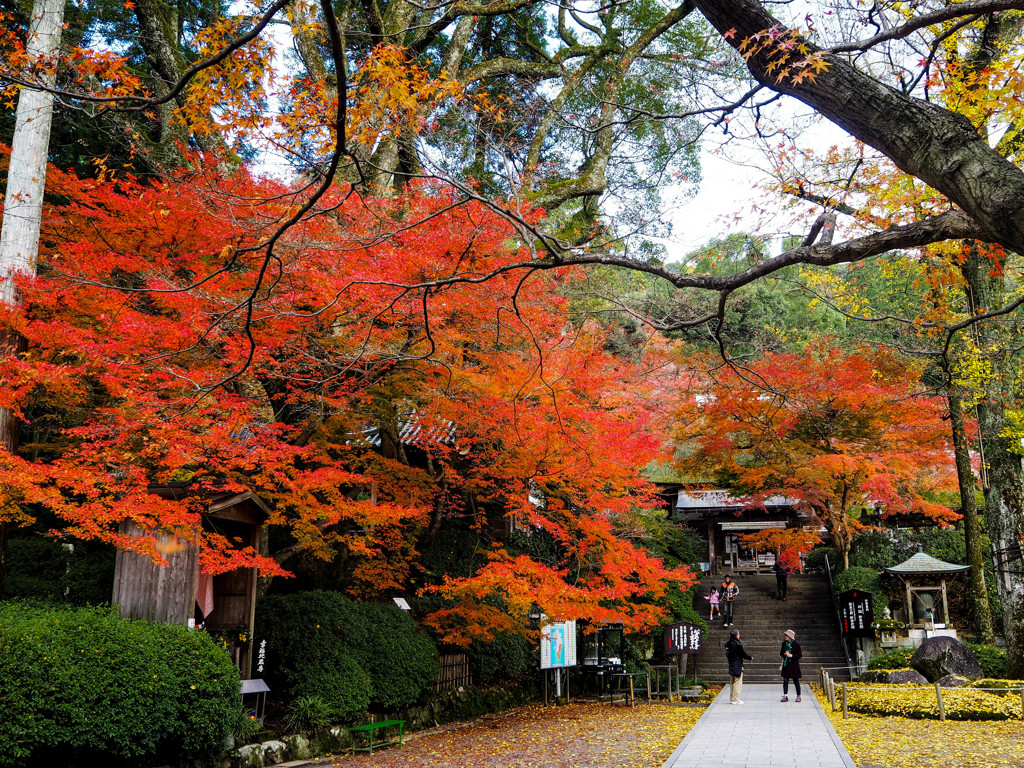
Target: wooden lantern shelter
point(924, 596)
point(224, 604)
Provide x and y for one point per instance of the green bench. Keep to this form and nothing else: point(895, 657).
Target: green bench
point(369, 731)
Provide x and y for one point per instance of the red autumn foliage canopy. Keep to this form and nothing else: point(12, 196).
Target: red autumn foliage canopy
point(836, 432)
point(157, 362)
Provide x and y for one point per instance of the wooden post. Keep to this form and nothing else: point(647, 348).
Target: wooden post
point(938, 695)
point(832, 692)
point(844, 701)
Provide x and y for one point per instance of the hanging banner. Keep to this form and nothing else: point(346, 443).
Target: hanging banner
point(558, 645)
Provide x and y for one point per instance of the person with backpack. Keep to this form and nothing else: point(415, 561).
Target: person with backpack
point(728, 592)
point(735, 654)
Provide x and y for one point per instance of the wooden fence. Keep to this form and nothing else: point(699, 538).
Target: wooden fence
point(454, 672)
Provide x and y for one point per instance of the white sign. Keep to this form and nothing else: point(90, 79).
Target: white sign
point(558, 645)
point(402, 603)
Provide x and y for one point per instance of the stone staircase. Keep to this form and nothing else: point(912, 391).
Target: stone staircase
point(763, 619)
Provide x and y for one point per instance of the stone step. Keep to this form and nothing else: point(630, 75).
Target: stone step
point(763, 619)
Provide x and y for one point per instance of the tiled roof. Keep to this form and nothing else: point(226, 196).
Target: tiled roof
point(921, 563)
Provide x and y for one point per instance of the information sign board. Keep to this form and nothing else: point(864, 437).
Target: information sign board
point(682, 638)
point(857, 613)
point(558, 644)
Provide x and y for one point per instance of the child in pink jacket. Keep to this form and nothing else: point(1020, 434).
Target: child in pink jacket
point(714, 599)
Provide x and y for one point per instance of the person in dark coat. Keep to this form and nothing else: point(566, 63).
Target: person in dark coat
point(736, 655)
point(790, 669)
point(781, 578)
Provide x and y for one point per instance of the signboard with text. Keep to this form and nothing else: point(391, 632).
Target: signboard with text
point(682, 638)
point(558, 644)
point(259, 665)
point(857, 613)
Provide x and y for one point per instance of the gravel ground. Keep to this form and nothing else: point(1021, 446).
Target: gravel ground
point(574, 736)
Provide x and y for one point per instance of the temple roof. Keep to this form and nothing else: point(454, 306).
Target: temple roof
point(922, 564)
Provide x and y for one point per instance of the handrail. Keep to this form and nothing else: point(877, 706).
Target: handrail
point(839, 617)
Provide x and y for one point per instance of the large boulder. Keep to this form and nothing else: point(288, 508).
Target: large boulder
point(874, 676)
point(898, 676)
point(953, 681)
point(941, 656)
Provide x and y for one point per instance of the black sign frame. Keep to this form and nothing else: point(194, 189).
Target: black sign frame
point(682, 639)
point(857, 613)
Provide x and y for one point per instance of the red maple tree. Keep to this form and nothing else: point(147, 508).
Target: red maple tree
point(167, 356)
point(838, 433)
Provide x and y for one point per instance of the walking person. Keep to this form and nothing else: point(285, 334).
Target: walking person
point(728, 591)
point(781, 578)
point(714, 598)
point(736, 655)
point(790, 669)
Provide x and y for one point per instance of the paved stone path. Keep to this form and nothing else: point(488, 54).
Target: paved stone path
point(763, 732)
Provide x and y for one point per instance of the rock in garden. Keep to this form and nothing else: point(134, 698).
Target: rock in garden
point(905, 676)
point(953, 681)
point(874, 676)
point(941, 656)
point(274, 752)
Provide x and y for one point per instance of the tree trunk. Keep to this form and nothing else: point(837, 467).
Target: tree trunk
point(972, 524)
point(1004, 496)
point(944, 150)
point(23, 202)
point(940, 147)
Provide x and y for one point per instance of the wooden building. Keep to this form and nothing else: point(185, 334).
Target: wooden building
point(719, 518)
point(180, 593)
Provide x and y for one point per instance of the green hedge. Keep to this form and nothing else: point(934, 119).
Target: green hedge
point(82, 684)
point(42, 568)
point(993, 660)
point(865, 579)
point(505, 658)
point(815, 560)
point(897, 658)
point(398, 654)
point(352, 654)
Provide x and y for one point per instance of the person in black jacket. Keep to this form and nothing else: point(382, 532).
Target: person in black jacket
point(791, 653)
point(781, 578)
point(736, 655)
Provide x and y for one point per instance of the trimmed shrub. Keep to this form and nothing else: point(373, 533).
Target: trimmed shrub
point(897, 658)
point(353, 654)
point(87, 684)
point(305, 652)
point(506, 657)
point(992, 658)
point(398, 654)
point(815, 560)
point(864, 579)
